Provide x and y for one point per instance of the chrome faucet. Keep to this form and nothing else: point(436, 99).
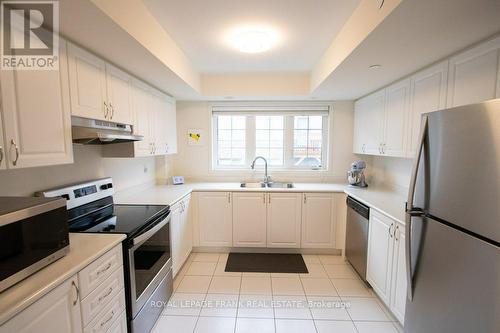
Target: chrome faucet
point(267, 178)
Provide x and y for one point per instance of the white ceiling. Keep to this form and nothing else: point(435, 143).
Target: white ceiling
point(199, 27)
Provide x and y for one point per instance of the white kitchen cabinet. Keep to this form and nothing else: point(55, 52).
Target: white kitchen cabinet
point(369, 123)
point(399, 283)
point(56, 312)
point(380, 251)
point(176, 237)
point(37, 116)
point(249, 219)
point(427, 94)
point(181, 231)
point(143, 118)
point(119, 94)
point(474, 75)
point(3, 157)
point(284, 220)
point(397, 102)
point(318, 220)
point(215, 219)
point(170, 128)
point(87, 77)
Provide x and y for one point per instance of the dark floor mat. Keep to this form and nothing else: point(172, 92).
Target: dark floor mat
point(266, 263)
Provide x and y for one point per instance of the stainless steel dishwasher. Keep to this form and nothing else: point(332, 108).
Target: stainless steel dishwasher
point(356, 244)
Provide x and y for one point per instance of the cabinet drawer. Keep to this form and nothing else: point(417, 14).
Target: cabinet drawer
point(108, 315)
point(94, 274)
point(102, 295)
point(120, 325)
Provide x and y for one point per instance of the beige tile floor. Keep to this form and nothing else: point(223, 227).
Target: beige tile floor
point(331, 298)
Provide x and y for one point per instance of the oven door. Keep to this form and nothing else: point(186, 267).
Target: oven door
point(150, 260)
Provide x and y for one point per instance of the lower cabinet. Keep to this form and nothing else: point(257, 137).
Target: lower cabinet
point(91, 301)
point(56, 312)
point(249, 219)
point(181, 232)
point(386, 270)
point(215, 219)
point(318, 220)
point(284, 220)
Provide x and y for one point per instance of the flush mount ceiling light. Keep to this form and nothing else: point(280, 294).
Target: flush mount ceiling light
point(253, 39)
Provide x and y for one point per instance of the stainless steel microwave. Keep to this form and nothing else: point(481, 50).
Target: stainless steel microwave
point(33, 234)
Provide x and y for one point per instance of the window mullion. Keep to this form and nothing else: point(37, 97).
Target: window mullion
point(288, 144)
point(250, 139)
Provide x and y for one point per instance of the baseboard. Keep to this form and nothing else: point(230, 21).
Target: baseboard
point(265, 250)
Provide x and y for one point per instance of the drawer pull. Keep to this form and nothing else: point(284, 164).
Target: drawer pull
point(108, 319)
point(77, 292)
point(103, 270)
point(106, 295)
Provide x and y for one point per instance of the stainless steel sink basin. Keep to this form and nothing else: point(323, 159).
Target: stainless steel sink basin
point(280, 185)
point(253, 185)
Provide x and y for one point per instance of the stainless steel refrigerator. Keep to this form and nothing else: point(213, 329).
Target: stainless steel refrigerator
point(453, 223)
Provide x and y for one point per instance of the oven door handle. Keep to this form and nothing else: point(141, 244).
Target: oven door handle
point(143, 237)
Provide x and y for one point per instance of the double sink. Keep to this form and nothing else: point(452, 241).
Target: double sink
point(267, 185)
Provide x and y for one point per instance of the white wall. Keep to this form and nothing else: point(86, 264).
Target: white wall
point(88, 164)
point(194, 162)
point(390, 172)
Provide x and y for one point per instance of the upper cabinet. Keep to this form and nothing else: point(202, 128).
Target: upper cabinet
point(428, 93)
point(119, 90)
point(87, 77)
point(470, 77)
point(36, 116)
point(397, 103)
point(98, 89)
point(473, 75)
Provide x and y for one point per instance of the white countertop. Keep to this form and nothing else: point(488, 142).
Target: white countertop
point(387, 202)
point(84, 249)
point(170, 194)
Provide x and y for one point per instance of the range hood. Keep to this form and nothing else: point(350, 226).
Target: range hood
point(97, 132)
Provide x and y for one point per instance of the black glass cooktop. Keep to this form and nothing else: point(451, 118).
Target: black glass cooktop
point(107, 217)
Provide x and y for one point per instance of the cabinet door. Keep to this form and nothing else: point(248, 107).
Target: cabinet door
point(37, 119)
point(360, 125)
point(187, 228)
point(215, 219)
point(119, 94)
point(399, 292)
point(284, 220)
point(373, 122)
point(141, 102)
point(318, 227)
point(3, 155)
point(176, 236)
point(87, 78)
point(380, 248)
point(56, 312)
point(396, 114)
point(427, 94)
point(249, 219)
point(473, 75)
point(170, 125)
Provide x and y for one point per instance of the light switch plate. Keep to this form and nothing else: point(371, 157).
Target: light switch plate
point(178, 180)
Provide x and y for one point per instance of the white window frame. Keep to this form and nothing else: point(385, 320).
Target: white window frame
point(286, 110)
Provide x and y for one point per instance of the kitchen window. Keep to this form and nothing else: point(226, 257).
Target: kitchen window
point(289, 138)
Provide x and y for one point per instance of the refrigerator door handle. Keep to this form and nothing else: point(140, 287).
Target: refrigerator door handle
point(412, 211)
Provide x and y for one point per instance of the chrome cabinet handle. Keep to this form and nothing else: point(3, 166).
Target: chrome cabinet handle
point(229, 197)
point(106, 111)
point(108, 319)
point(16, 148)
point(1, 154)
point(77, 292)
point(112, 111)
point(264, 198)
point(110, 290)
point(390, 230)
point(103, 270)
point(396, 233)
point(269, 198)
point(305, 198)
